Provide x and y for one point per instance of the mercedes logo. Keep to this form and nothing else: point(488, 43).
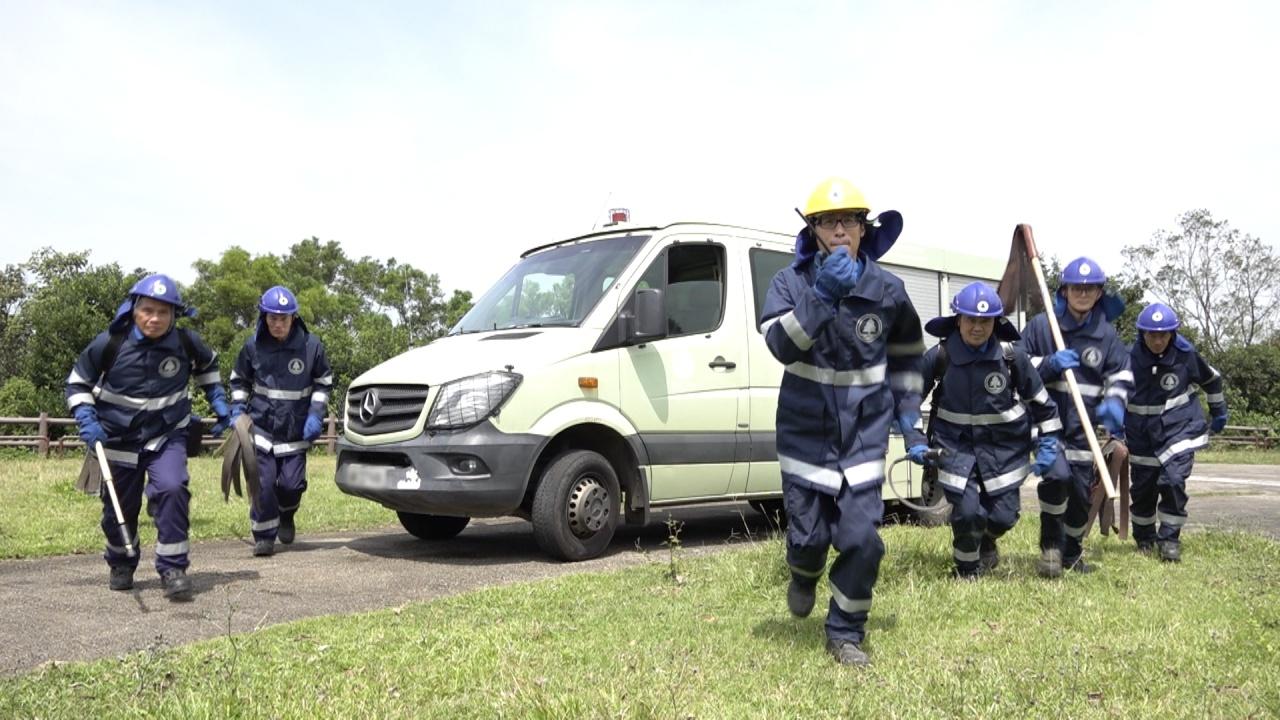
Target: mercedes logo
point(370, 406)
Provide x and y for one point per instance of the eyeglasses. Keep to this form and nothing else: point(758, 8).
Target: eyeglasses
point(827, 221)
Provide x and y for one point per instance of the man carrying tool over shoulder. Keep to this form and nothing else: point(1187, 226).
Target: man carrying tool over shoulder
point(988, 399)
point(1101, 364)
point(851, 342)
point(284, 378)
point(1165, 426)
point(128, 391)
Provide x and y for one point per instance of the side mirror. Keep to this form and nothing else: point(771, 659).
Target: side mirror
point(650, 316)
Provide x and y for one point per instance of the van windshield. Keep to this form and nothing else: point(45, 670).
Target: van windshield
point(556, 287)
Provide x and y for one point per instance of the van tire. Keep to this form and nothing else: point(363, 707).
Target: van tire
point(432, 527)
point(575, 508)
point(931, 492)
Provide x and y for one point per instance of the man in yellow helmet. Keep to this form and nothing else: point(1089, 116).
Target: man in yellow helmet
point(851, 342)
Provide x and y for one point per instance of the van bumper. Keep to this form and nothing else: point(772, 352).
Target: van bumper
point(423, 475)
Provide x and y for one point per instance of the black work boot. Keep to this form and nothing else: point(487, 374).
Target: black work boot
point(1050, 563)
point(988, 555)
point(121, 578)
point(1170, 551)
point(1146, 547)
point(177, 586)
point(966, 575)
point(847, 652)
point(286, 531)
point(800, 598)
point(264, 548)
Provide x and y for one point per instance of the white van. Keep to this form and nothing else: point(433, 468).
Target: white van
point(602, 376)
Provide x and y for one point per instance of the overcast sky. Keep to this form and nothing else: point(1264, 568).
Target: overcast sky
point(454, 135)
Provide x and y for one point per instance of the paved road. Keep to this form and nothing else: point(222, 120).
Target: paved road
point(65, 604)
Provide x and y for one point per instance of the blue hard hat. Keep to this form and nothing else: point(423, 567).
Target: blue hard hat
point(158, 287)
point(1158, 317)
point(1083, 271)
point(977, 299)
point(278, 300)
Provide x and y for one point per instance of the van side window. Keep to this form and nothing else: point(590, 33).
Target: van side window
point(693, 279)
point(764, 265)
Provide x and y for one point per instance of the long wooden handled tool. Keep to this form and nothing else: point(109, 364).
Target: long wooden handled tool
point(115, 501)
point(1098, 459)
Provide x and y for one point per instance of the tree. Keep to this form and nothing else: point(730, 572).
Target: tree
point(1221, 282)
point(366, 310)
point(67, 303)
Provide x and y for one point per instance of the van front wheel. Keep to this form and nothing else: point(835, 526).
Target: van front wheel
point(575, 508)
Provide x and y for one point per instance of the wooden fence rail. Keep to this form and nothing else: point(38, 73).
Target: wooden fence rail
point(43, 444)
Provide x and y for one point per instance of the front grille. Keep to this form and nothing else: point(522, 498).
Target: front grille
point(392, 408)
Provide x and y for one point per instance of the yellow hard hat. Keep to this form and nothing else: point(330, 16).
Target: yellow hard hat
point(835, 194)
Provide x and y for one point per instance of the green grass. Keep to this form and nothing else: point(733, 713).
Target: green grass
point(1239, 457)
point(710, 638)
point(42, 514)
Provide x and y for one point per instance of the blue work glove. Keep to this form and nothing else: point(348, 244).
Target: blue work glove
point(1111, 414)
point(219, 408)
point(91, 431)
point(237, 409)
point(1218, 423)
point(312, 429)
point(836, 278)
point(1063, 360)
point(1046, 454)
point(220, 426)
point(907, 422)
point(917, 454)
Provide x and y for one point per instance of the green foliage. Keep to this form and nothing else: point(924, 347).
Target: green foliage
point(66, 302)
point(19, 398)
point(1252, 381)
point(365, 310)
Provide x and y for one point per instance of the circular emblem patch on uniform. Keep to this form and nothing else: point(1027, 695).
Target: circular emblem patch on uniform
point(995, 382)
point(169, 366)
point(1169, 381)
point(1091, 357)
point(869, 328)
point(296, 366)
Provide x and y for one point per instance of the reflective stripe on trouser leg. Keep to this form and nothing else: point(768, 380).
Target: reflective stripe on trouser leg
point(265, 522)
point(857, 564)
point(1053, 505)
point(1077, 516)
point(168, 503)
point(1142, 505)
point(1171, 512)
point(968, 523)
point(128, 483)
point(809, 517)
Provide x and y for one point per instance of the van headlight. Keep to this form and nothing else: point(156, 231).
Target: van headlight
point(467, 401)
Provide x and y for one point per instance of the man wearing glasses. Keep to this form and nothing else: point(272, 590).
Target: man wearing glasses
point(1101, 364)
point(851, 342)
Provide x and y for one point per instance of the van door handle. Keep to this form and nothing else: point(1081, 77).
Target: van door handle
point(720, 362)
